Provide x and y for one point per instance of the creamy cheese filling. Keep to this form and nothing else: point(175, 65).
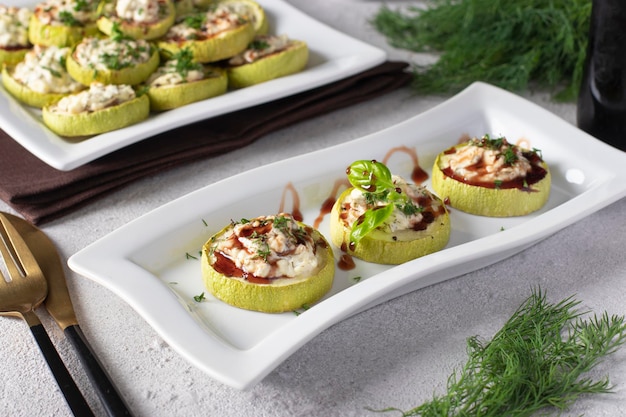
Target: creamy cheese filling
point(243, 9)
point(14, 26)
point(357, 205)
point(110, 54)
point(66, 12)
point(270, 247)
point(97, 97)
point(260, 47)
point(204, 25)
point(142, 11)
point(43, 71)
point(170, 74)
point(475, 162)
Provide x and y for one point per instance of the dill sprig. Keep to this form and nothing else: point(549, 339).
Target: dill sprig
point(508, 43)
point(537, 361)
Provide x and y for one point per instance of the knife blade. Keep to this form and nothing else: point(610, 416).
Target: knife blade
point(59, 305)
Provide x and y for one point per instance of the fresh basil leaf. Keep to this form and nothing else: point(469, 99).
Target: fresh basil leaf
point(369, 221)
point(369, 176)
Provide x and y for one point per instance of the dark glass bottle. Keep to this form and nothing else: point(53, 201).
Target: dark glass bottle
point(601, 107)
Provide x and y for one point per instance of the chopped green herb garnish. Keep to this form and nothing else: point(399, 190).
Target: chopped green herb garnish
point(185, 62)
point(195, 21)
point(258, 45)
point(81, 5)
point(117, 35)
point(52, 71)
point(199, 298)
point(304, 308)
point(510, 157)
point(68, 19)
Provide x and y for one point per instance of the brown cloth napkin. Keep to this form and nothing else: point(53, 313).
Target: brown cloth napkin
point(41, 193)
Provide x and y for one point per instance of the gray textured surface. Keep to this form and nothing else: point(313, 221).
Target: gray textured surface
point(396, 354)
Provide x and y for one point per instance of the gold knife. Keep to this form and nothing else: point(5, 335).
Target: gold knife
point(59, 305)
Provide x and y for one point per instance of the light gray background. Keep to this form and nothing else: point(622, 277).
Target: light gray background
point(396, 354)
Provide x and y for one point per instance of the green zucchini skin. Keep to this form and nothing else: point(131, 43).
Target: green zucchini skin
point(97, 122)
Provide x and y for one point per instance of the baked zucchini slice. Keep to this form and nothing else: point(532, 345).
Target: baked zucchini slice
point(295, 278)
point(14, 43)
point(490, 177)
point(66, 118)
point(382, 246)
point(207, 40)
point(124, 61)
point(214, 82)
point(267, 58)
point(26, 95)
point(148, 30)
point(385, 220)
point(59, 34)
point(43, 66)
point(252, 11)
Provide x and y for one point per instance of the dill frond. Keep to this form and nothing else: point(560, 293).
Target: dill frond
point(539, 360)
point(509, 43)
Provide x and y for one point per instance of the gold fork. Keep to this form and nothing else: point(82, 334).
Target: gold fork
point(20, 295)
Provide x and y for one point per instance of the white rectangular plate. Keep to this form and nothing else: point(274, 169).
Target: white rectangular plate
point(145, 262)
point(333, 56)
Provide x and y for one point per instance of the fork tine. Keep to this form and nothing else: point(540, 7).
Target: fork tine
point(6, 254)
point(18, 259)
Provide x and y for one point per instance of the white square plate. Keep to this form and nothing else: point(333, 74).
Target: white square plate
point(152, 262)
point(333, 56)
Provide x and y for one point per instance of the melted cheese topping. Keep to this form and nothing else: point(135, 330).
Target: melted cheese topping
point(109, 54)
point(266, 248)
point(97, 97)
point(170, 74)
point(206, 25)
point(61, 12)
point(478, 163)
point(43, 71)
point(143, 11)
point(14, 26)
point(261, 46)
point(357, 205)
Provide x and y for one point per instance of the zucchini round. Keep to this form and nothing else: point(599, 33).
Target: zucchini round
point(250, 10)
point(59, 35)
point(490, 201)
point(25, 94)
point(131, 75)
point(279, 64)
point(213, 48)
point(383, 247)
point(169, 97)
point(281, 294)
point(140, 30)
point(100, 121)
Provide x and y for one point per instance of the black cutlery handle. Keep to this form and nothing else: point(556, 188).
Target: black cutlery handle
point(111, 399)
point(72, 394)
